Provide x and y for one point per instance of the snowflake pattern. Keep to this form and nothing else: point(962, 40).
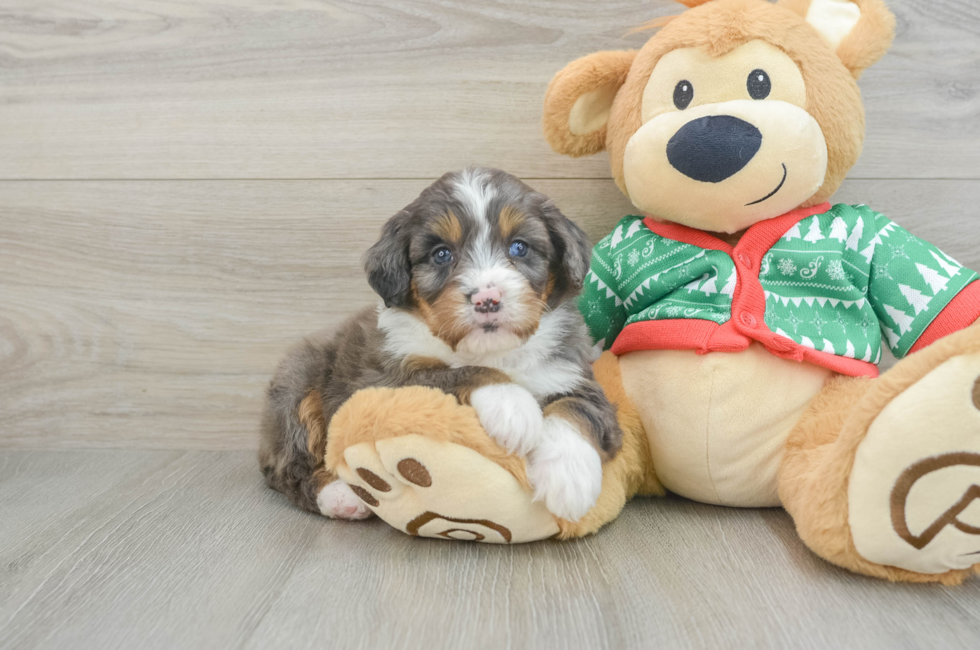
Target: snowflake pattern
point(880, 273)
point(673, 310)
point(819, 321)
point(867, 323)
point(794, 320)
point(786, 266)
point(835, 269)
point(898, 252)
point(841, 320)
point(633, 257)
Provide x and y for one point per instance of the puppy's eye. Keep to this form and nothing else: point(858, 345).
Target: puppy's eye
point(683, 94)
point(518, 249)
point(758, 84)
point(442, 255)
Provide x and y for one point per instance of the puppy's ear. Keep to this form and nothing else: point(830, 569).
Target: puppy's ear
point(387, 264)
point(577, 104)
point(573, 251)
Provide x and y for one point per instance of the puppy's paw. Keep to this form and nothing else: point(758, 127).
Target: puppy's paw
point(510, 414)
point(566, 470)
point(337, 501)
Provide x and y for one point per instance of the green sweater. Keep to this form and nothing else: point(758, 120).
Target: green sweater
point(822, 284)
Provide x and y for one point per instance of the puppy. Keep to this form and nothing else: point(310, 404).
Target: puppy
point(478, 278)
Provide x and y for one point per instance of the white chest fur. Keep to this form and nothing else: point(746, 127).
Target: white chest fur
point(537, 365)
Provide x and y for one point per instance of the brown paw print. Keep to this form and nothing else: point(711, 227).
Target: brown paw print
point(414, 472)
point(428, 487)
point(949, 517)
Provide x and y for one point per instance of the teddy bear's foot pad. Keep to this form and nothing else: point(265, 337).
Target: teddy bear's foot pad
point(914, 490)
point(434, 488)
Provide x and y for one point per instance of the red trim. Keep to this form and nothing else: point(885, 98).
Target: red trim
point(788, 349)
point(759, 238)
point(704, 336)
point(688, 235)
point(679, 334)
point(748, 322)
point(961, 312)
point(764, 235)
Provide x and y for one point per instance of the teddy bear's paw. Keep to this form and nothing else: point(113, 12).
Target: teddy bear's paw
point(914, 490)
point(510, 415)
point(566, 470)
point(337, 501)
point(433, 488)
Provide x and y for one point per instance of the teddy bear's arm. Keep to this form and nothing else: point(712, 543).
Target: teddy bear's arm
point(601, 304)
point(918, 292)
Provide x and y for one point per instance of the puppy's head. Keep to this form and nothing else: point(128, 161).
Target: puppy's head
point(480, 257)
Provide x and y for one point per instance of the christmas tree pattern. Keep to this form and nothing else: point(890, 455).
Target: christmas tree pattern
point(876, 279)
point(637, 275)
point(842, 283)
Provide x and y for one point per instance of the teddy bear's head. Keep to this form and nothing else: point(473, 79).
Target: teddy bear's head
point(734, 112)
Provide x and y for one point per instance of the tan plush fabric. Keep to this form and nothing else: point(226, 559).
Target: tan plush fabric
point(432, 488)
point(717, 423)
point(423, 463)
point(471, 477)
point(813, 480)
point(913, 495)
point(595, 73)
point(720, 26)
point(375, 414)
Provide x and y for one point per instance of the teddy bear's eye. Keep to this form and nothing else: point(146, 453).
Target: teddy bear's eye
point(758, 84)
point(683, 94)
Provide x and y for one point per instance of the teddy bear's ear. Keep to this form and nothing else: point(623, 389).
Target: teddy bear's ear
point(577, 104)
point(859, 31)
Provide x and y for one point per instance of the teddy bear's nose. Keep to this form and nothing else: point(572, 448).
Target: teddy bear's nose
point(713, 148)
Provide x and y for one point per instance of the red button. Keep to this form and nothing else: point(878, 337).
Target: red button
point(747, 319)
point(744, 259)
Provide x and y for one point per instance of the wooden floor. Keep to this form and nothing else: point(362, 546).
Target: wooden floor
point(186, 188)
point(168, 549)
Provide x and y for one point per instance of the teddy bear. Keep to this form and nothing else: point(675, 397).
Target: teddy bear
point(738, 316)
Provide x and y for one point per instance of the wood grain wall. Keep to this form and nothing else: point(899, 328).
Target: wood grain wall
point(187, 187)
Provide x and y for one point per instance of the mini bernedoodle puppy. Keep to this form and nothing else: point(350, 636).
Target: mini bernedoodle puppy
point(479, 277)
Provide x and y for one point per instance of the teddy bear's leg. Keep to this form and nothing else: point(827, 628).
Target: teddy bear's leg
point(882, 476)
point(423, 463)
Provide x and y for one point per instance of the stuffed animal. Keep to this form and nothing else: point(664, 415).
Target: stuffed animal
point(741, 315)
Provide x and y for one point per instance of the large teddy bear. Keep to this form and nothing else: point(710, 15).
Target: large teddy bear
point(742, 316)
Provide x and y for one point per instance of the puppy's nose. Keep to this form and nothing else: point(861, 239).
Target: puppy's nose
point(713, 148)
point(486, 300)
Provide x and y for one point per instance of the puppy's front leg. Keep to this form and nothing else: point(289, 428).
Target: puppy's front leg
point(510, 414)
point(579, 432)
point(507, 411)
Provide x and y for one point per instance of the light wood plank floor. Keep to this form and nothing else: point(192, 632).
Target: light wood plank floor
point(169, 549)
point(186, 188)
